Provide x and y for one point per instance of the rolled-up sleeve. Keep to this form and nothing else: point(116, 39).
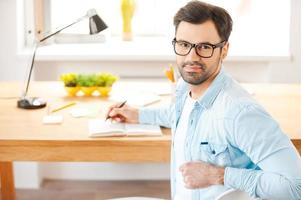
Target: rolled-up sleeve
point(279, 175)
point(160, 116)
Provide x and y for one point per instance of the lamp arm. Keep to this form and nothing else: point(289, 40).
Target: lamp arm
point(36, 45)
point(30, 70)
point(56, 32)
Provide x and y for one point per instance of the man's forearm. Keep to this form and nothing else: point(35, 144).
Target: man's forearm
point(159, 116)
point(258, 183)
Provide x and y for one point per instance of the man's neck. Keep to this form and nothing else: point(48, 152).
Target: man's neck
point(196, 91)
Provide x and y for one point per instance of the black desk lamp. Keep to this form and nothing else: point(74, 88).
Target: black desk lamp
point(96, 25)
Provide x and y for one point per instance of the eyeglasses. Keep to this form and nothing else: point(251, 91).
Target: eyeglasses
point(204, 50)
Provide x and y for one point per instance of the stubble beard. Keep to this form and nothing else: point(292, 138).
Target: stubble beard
point(194, 78)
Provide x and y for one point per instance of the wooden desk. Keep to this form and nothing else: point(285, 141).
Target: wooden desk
point(23, 137)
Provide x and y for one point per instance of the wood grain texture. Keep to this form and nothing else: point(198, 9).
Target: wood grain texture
point(23, 136)
point(7, 181)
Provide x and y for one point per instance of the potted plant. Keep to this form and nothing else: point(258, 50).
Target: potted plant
point(104, 82)
point(87, 83)
point(70, 83)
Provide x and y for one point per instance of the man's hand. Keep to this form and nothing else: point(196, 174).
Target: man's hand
point(199, 174)
point(124, 114)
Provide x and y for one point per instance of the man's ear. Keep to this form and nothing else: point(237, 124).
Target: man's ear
point(225, 50)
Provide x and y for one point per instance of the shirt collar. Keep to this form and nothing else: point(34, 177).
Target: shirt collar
point(211, 93)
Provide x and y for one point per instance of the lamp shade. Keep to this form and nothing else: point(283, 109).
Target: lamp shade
point(96, 24)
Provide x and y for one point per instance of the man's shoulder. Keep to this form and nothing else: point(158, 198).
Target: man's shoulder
point(233, 98)
point(234, 92)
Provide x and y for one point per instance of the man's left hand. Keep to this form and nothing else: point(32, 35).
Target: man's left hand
point(199, 174)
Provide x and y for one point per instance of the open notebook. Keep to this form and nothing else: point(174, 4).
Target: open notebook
point(101, 128)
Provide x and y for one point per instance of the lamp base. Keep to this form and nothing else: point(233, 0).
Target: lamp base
point(31, 103)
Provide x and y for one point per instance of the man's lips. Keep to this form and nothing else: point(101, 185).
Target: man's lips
point(193, 68)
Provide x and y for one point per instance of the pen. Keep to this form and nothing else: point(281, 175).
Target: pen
point(63, 107)
point(120, 106)
point(206, 143)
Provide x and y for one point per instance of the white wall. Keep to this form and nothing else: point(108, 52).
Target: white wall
point(290, 71)
point(12, 68)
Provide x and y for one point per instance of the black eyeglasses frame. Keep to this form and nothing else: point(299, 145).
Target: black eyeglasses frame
point(214, 46)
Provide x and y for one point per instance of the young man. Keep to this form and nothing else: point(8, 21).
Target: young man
point(221, 138)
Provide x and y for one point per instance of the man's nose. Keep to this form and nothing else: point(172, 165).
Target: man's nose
point(193, 56)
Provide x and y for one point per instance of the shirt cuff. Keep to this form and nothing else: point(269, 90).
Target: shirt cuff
point(232, 177)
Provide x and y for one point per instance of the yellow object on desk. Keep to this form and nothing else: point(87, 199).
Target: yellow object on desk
point(63, 107)
point(169, 73)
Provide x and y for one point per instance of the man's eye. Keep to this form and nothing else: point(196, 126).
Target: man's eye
point(184, 44)
point(205, 46)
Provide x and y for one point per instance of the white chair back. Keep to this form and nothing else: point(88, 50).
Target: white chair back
point(136, 198)
point(234, 194)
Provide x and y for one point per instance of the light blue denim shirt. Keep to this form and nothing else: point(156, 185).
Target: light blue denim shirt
point(227, 127)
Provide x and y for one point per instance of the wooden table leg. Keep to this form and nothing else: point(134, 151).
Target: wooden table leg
point(7, 181)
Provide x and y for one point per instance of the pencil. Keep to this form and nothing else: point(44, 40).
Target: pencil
point(63, 107)
point(120, 106)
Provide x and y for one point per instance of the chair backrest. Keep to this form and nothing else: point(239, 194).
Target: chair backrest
point(136, 198)
point(234, 194)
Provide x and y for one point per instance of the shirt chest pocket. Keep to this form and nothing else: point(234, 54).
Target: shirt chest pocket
point(217, 154)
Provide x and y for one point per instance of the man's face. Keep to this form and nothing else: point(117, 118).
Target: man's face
point(193, 68)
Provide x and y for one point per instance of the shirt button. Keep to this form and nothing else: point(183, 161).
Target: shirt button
point(213, 151)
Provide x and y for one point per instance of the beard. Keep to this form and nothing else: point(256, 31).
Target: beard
point(203, 74)
point(195, 78)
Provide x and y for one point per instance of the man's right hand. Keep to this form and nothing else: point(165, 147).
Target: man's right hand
point(125, 114)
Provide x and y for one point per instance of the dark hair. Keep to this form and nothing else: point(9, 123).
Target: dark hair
point(197, 12)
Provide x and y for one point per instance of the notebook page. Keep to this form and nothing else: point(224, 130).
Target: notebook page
point(99, 127)
point(143, 129)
